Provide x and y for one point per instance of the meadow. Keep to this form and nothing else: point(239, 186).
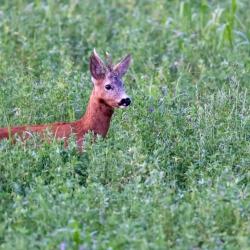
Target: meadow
point(173, 172)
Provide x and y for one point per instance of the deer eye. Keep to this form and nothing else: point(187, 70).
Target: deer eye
point(108, 87)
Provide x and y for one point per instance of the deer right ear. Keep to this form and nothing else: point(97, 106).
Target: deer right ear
point(97, 67)
point(122, 67)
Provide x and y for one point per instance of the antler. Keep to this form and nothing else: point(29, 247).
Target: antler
point(109, 60)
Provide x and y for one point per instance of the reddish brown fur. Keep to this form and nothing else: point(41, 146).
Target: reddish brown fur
point(96, 118)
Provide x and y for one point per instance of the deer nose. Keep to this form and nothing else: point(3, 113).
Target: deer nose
point(125, 102)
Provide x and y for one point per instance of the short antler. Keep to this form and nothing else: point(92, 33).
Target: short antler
point(109, 60)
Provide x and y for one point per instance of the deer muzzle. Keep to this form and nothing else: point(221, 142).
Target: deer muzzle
point(124, 102)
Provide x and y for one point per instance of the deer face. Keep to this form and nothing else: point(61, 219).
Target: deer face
point(107, 79)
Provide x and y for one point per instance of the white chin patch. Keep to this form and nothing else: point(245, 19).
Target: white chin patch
point(123, 106)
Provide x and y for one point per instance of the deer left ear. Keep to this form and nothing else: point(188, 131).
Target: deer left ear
point(97, 67)
point(122, 67)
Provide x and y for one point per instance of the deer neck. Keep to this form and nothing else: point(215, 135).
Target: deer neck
point(97, 116)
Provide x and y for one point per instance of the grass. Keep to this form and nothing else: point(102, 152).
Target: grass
point(173, 172)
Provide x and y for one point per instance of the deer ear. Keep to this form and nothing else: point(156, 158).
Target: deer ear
point(97, 67)
point(122, 67)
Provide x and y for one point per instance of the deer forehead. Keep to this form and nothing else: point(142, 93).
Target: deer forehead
point(114, 79)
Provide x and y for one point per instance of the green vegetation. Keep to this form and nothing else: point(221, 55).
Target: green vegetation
point(173, 172)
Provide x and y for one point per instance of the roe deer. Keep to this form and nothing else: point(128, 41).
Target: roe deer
point(108, 93)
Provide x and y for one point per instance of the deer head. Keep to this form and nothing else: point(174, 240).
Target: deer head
point(107, 80)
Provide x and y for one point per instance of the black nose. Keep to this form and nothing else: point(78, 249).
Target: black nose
point(125, 101)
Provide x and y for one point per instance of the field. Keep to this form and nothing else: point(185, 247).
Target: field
point(173, 172)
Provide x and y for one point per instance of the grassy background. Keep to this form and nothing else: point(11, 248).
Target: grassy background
point(174, 170)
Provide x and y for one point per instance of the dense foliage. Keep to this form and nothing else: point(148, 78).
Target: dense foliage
point(174, 170)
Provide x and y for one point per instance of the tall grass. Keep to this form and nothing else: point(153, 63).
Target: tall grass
point(173, 172)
